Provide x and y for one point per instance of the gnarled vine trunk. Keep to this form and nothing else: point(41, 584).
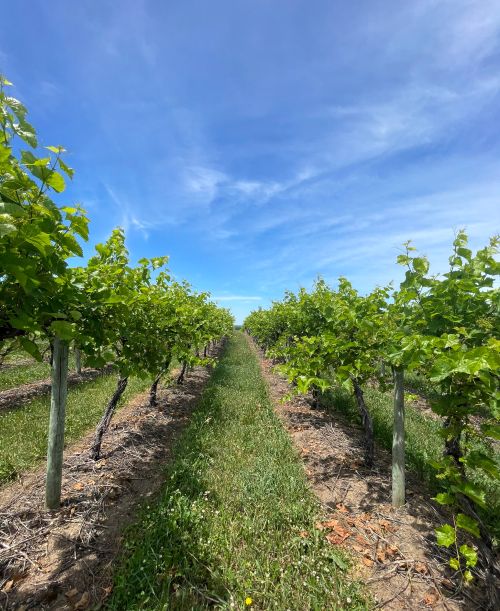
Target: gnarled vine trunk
point(153, 391)
point(180, 379)
point(452, 444)
point(315, 398)
point(103, 426)
point(367, 423)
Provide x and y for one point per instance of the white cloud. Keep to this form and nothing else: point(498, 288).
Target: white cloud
point(255, 189)
point(472, 33)
point(203, 181)
point(128, 219)
point(365, 244)
point(415, 114)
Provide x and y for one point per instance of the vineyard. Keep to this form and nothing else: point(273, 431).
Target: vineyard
point(153, 457)
point(441, 331)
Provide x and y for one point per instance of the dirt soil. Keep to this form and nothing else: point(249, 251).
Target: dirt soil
point(64, 560)
point(393, 550)
point(14, 397)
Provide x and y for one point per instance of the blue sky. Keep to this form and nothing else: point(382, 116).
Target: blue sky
point(262, 143)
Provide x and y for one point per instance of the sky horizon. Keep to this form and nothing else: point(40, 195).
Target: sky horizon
point(263, 144)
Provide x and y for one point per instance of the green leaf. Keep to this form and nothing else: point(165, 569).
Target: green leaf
point(56, 181)
point(5, 153)
point(465, 253)
point(470, 555)
point(26, 132)
point(469, 524)
point(479, 460)
point(444, 498)
point(80, 225)
point(55, 149)
point(468, 576)
point(31, 348)
point(14, 210)
point(23, 321)
point(75, 314)
point(115, 299)
point(66, 169)
point(28, 158)
point(39, 239)
point(420, 265)
point(42, 162)
point(71, 244)
point(445, 535)
point(63, 329)
point(18, 108)
point(455, 563)
point(473, 492)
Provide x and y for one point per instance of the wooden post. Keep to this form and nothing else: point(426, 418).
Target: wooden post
point(56, 424)
point(78, 361)
point(398, 440)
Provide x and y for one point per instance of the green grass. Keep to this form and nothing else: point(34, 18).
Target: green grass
point(228, 522)
point(417, 383)
point(16, 375)
point(423, 443)
point(23, 431)
point(23, 369)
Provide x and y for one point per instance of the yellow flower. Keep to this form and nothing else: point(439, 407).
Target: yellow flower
point(248, 601)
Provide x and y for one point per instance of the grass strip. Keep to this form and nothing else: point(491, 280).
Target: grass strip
point(423, 443)
point(23, 431)
point(16, 375)
point(234, 525)
point(26, 371)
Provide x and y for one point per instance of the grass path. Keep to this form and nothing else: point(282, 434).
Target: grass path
point(234, 525)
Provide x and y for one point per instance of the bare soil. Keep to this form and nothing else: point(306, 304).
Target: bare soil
point(15, 397)
point(393, 550)
point(64, 560)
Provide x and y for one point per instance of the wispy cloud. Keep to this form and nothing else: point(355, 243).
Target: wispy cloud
point(203, 182)
point(127, 218)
